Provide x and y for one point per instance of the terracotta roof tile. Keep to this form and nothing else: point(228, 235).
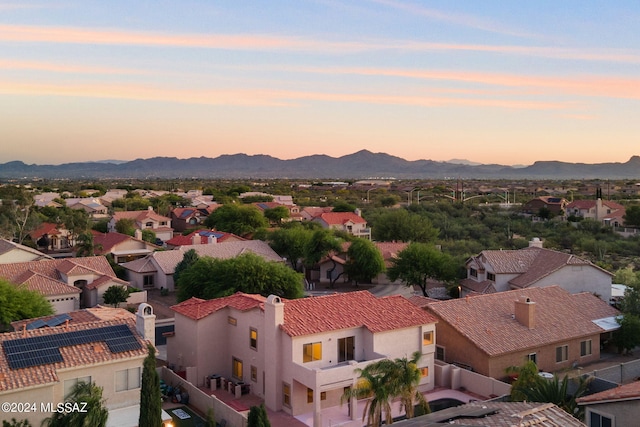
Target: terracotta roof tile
point(196, 308)
point(340, 218)
point(44, 285)
point(313, 315)
point(624, 392)
point(220, 236)
point(488, 320)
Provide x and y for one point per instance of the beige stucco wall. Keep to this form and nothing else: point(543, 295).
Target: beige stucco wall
point(623, 413)
point(17, 255)
point(580, 278)
point(65, 303)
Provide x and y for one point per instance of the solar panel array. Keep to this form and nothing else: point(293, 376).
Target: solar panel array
point(54, 321)
point(35, 351)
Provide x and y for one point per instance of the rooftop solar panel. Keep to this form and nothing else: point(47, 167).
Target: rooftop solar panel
point(36, 324)
point(42, 350)
point(58, 320)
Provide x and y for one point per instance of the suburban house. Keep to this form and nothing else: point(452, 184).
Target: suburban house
point(604, 211)
point(350, 222)
point(50, 237)
point(92, 206)
point(122, 247)
point(145, 220)
point(548, 325)
point(189, 218)
point(332, 266)
point(498, 271)
point(68, 283)
point(45, 358)
point(11, 252)
point(294, 210)
point(156, 269)
point(555, 205)
point(496, 414)
point(202, 237)
point(617, 407)
point(47, 199)
point(298, 355)
point(308, 213)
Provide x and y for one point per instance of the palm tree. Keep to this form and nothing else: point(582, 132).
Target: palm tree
point(405, 382)
point(557, 392)
point(375, 382)
point(89, 398)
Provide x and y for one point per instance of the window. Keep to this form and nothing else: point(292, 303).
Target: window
point(473, 272)
point(309, 395)
point(323, 395)
point(128, 379)
point(427, 338)
point(149, 224)
point(286, 395)
point(424, 372)
point(70, 384)
point(236, 368)
point(346, 348)
point(562, 353)
point(254, 374)
point(599, 420)
point(585, 348)
point(533, 357)
point(253, 338)
point(491, 277)
point(439, 353)
point(147, 280)
point(311, 352)
point(232, 321)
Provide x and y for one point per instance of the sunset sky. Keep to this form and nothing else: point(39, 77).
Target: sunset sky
point(488, 81)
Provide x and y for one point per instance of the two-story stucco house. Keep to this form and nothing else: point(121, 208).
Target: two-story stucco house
point(605, 211)
point(145, 220)
point(11, 252)
point(298, 355)
point(351, 222)
point(45, 358)
point(498, 271)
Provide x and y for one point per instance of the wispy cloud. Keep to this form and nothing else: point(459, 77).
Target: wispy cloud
point(262, 97)
point(65, 68)
point(257, 42)
point(454, 19)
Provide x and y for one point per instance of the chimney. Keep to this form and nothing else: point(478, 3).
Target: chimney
point(273, 319)
point(146, 323)
point(137, 234)
point(358, 212)
point(526, 312)
point(212, 239)
point(535, 243)
point(196, 239)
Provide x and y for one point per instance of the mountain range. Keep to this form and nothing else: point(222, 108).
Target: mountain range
point(360, 165)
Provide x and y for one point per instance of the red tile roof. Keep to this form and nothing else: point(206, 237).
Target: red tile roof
point(181, 240)
point(487, 320)
point(196, 308)
point(139, 216)
point(340, 218)
point(314, 315)
point(47, 228)
point(629, 391)
point(73, 356)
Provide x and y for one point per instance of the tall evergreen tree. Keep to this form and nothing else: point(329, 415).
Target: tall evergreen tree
point(150, 397)
point(258, 417)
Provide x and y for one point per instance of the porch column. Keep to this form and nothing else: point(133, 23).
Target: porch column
point(317, 407)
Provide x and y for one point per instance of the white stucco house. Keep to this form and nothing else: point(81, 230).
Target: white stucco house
point(503, 270)
point(298, 355)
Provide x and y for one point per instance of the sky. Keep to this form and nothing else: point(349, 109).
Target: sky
point(488, 81)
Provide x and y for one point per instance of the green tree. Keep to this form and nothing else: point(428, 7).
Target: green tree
point(85, 246)
point(236, 219)
point(258, 417)
point(418, 263)
point(277, 214)
point(18, 303)
point(115, 295)
point(95, 414)
point(150, 397)
point(526, 378)
point(126, 226)
point(403, 226)
point(376, 383)
point(632, 216)
point(322, 242)
point(627, 337)
point(364, 261)
point(188, 259)
point(214, 278)
point(16, 423)
point(405, 382)
point(343, 206)
point(290, 243)
point(630, 303)
point(148, 235)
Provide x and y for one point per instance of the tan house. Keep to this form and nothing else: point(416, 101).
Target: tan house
point(604, 211)
point(145, 220)
point(498, 271)
point(555, 205)
point(11, 252)
point(68, 283)
point(189, 218)
point(349, 222)
point(42, 361)
point(298, 355)
point(550, 326)
point(617, 407)
point(156, 269)
point(122, 247)
point(50, 237)
point(202, 237)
